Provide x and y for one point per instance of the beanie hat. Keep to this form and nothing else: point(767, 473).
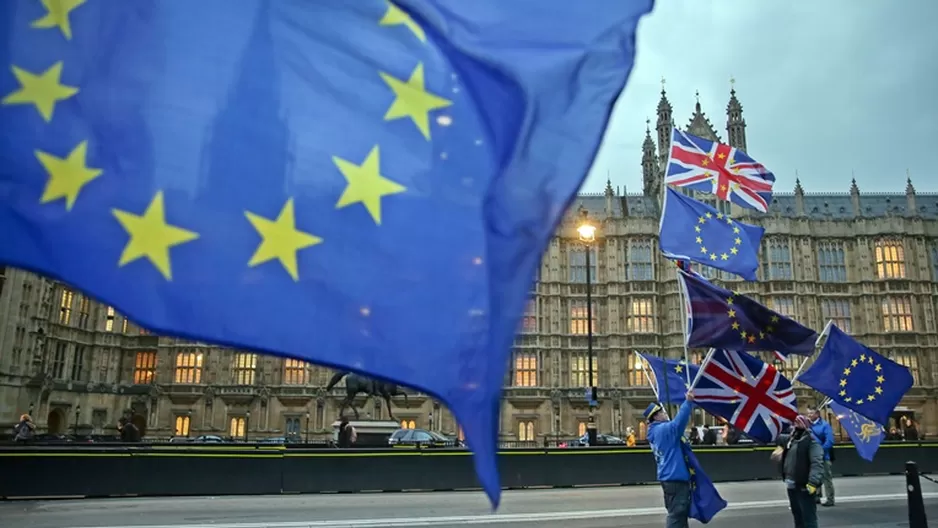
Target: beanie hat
point(802, 422)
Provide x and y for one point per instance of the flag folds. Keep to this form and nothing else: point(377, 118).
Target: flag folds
point(749, 393)
point(719, 318)
point(669, 377)
point(706, 501)
point(865, 433)
point(856, 377)
point(727, 172)
point(366, 185)
point(691, 230)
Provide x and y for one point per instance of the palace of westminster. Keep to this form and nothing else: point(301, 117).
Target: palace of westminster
point(867, 262)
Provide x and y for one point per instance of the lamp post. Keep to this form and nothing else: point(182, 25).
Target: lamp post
point(587, 232)
point(77, 418)
point(188, 422)
point(307, 428)
point(247, 425)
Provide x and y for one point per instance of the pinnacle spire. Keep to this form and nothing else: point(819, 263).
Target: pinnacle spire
point(853, 186)
point(909, 189)
point(798, 188)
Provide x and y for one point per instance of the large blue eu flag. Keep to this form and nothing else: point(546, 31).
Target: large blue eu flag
point(362, 184)
point(865, 433)
point(720, 318)
point(669, 377)
point(692, 230)
point(856, 377)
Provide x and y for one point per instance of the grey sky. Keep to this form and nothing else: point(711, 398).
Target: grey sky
point(827, 88)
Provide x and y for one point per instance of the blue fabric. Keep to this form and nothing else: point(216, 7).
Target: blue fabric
point(353, 183)
point(706, 501)
point(865, 433)
point(825, 435)
point(857, 377)
point(720, 318)
point(675, 389)
point(692, 230)
point(665, 439)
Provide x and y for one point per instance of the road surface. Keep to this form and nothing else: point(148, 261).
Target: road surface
point(864, 502)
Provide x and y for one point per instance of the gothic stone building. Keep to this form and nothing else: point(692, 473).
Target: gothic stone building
point(868, 262)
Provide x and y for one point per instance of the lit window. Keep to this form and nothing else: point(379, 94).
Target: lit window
point(244, 368)
point(525, 370)
point(295, 372)
point(182, 425)
point(145, 368)
point(188, 367)
point(890, 259)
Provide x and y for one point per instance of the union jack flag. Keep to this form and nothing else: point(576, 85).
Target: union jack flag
point(748, 393)
point(707, 166)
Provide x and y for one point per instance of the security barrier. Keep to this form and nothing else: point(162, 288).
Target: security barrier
point(168, 470)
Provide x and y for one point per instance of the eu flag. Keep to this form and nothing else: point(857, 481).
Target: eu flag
point(705, 500)
point(855, 376)
point(691, 230)
point(865, 433)
point(362, 184)
point(719, 318)
point(669, 377)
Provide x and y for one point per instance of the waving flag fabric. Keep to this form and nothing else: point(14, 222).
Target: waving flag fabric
point(669, 377)
point(691, 230)
point(749, 393)
point(362, 184)
point(865, 434)
point(720, 318)
point(857, 377)
point(727, 172)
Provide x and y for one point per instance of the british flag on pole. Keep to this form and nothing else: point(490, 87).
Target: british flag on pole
point(727, 172)
point(749, 393)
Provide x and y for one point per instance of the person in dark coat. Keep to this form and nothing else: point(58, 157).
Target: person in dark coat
point(802, 467)
point(129, 432)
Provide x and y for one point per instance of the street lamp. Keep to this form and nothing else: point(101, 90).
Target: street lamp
point(77, 418)
point(587, 232)
point(307, 427)
point(247, 425)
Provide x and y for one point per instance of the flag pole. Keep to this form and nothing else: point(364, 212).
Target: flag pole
point(682, 293)
point(827, 329)
point(701, 369)
point(648, 375)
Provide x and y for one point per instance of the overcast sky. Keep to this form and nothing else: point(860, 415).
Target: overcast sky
point(830, 88)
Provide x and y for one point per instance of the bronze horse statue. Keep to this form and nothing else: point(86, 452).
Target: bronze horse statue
point(356, 384)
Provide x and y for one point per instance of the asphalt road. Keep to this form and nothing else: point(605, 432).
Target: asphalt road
point(867, 502)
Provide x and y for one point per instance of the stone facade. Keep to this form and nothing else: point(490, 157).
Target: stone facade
point(869, 262)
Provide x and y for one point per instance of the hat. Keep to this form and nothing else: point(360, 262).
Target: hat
point(652, 410)
point(802, 422)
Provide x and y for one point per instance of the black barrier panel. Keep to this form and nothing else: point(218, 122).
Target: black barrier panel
point(143, 470)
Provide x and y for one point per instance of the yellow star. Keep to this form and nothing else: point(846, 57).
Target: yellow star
point(697, 228)
point(699, 240)
point(743, 334)
point(870, 398)
point(709, 215)
point(720, 216)
point(761, 335)
point(366, 184)
point(731, 313)
point(704, 162)
point(713, 256)
point(412, 100)
point(395, 16)
point(735, 326)
point(57, 12)
point(734, 250)
point(752, 339)
point(880, 379)
point(731, 162)
point(738, 241)
point(878, 368)
point(280, 239)
point(43, 90)
point(703, 249)
point(66, 176)
point(723, 187)
point(847, 371)
point(151, 236)
point(862, 357)
point(678, 369)
point(702, 220)
point(736, 232)
point(843, 383)
point(879, 390)
point(721, 155)
point(853, 363)
point(729, 300)
point(729, 221)
point(768, 328)
point(848, 399)
point(774, 318)
point(724, 256)
point(859, 400)
point(870, 359)
point(842, 393)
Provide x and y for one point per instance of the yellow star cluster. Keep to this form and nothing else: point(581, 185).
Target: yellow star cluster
point(862, 361)
point(150, 235)
point(720, 217)
point(750, 335)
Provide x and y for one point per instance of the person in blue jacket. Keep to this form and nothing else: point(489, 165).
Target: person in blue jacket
point(665, 437)
point(825, 436)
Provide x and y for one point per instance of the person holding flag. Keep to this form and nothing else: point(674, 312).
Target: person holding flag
point(825, 435)
point(802, 468)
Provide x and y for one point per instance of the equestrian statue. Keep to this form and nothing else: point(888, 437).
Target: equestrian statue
point(355, 384)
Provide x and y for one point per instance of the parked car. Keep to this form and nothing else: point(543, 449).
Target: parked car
point(420, 438)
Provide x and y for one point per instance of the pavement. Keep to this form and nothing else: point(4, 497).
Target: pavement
point(862, 502)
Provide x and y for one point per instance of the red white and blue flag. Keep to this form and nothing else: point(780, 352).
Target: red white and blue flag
point(727, 172)
point(749, 393)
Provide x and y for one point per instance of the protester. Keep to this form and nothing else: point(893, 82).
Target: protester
point(128, 431)
point(24, 430)
point(825, 436)
point(802, 467)
point(665, 437)
point(347, 434)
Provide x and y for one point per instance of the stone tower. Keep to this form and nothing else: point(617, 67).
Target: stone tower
point(650, 175)
point(735, 124)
